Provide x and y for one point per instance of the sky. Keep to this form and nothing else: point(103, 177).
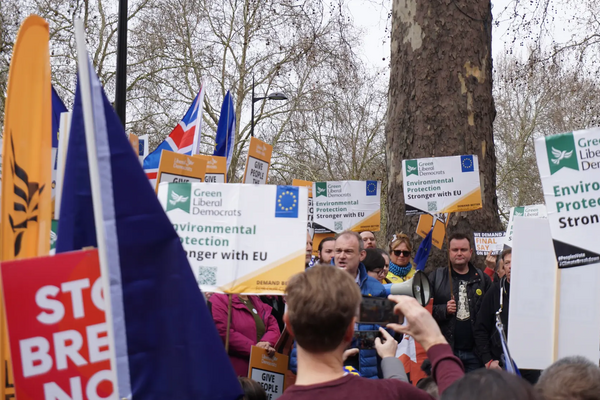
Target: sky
point(371, 16)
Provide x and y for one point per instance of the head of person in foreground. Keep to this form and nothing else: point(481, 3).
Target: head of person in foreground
point(490, 384)
point(572, 378)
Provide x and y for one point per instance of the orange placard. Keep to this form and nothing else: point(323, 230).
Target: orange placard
point(424, 225)
point(175, 167)
point(258, 162)
point(439, 231)
point(308, 184)
point(216, 168)
point(135, 143)
point(426, 221)
point(269, 372)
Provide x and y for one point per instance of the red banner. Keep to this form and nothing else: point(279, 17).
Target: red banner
point(57, 327)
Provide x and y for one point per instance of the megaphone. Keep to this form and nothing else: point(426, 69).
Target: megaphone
point(418, 287)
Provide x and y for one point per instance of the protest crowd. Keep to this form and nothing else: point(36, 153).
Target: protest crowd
point(464, 354)
point(122, 294)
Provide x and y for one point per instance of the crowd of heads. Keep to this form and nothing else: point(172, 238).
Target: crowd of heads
point(322, 305)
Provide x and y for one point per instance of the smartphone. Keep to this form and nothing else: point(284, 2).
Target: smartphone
point(366, 339)
point(377, 310)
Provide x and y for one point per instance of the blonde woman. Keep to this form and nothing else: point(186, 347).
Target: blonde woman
point(401, 268)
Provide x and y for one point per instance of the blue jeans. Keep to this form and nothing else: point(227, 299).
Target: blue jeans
point(470, 361)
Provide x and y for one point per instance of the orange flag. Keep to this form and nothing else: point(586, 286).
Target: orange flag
point(26, 176)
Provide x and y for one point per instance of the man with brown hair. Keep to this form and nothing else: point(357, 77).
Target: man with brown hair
point(457, 296)
point(322, 307)
point(570, 378)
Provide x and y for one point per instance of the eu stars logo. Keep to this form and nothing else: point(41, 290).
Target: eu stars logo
point(371, 188)
point(466, 163)
point(286, 203)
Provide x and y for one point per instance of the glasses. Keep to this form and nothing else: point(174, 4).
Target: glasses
point(399, 253)
point(378, 271)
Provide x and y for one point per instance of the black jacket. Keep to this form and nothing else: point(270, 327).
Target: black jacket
point(487, 338)
point(476, 288)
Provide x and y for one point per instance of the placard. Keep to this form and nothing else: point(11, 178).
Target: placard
point(488, 241)
point(535, 211)
point(533, 285)
point(441, 184)
point(239, 238)
point(311, 208)
point(258, 162)
point(57, 327)
point(216, 168)
point(175, 167)
point(569, 166)
point(269, 372)
point(143, 147)
point(347, 205)
point(438, 221)
point(135, 143)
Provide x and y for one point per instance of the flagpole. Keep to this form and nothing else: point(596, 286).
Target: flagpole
point(198, 122)
point(90, 138)
point(228, 323)
point(448, 255)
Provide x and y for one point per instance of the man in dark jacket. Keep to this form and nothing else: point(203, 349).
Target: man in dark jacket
point(455, 311)
point(349, 254)
point(487, 337)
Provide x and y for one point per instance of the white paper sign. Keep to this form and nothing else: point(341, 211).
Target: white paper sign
point(239, 238)
point(346, 205)
point(441, 184)
point(535, 211)
point(531, 318)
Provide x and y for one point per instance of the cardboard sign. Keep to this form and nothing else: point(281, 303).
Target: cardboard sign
point(569, 166)
point(441, 185)
point(535, 211)
point(216, 168)
point(269, 372)
point(347, 205)
point(175, 167)
point(135, 143)
point(258, 162)
point(438, 221)
point(57, 327)
point(239, 238)
point(143, 147)
point(488, 241)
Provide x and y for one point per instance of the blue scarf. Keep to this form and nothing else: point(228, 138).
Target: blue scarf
point(400, 271)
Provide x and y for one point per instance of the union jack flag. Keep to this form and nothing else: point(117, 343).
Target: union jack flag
point(184, 139)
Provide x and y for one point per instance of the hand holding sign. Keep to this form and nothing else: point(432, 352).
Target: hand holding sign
point(267, 346)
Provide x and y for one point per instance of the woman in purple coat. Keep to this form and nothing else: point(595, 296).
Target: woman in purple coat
point(251, 325)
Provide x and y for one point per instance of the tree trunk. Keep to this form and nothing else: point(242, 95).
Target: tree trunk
point(440, 103)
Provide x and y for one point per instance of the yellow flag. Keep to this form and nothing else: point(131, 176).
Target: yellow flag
point(26, 156)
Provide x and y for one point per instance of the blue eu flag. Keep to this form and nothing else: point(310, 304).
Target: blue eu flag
point(371, 188)
point(466, 163)
point(286, 203)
